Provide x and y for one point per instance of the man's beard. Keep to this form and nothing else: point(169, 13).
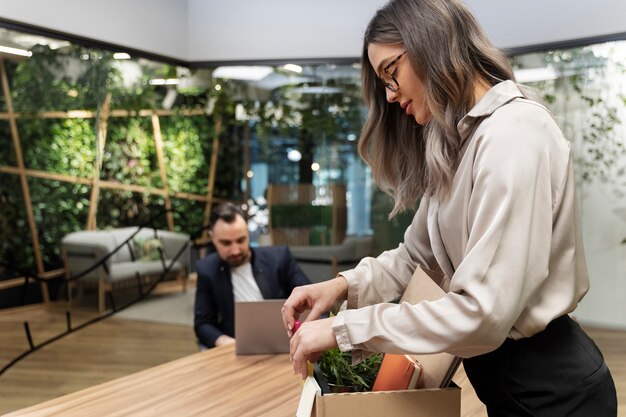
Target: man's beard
point(235, 261)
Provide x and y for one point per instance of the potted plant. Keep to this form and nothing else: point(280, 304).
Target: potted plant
point(335, 373)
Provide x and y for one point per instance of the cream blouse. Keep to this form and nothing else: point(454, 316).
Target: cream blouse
point(505, 244)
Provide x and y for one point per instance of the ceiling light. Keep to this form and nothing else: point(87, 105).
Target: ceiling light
point(15, 51)
point(315, 166)
point(162, 81)
point(529, 75)
point(317, 89)
point(294, 155)
point(121, 55)
point(246, 73)
point(293, 68)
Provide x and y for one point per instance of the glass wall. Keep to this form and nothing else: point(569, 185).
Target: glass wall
point(585, 88)
point(304, 122)
point(147, 132)
point(70, 112)
point(97, 139)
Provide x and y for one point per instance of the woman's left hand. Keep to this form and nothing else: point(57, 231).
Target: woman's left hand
point(308, 343)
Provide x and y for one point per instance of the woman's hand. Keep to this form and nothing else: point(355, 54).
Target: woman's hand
point(308, 343)
point(319, 298)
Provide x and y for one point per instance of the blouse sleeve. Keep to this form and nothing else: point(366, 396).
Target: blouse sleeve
point(384, 278)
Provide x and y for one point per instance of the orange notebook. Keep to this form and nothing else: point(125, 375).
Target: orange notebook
point(397, 372)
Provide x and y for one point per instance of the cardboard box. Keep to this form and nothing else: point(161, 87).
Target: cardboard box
point(439, 402)
point(429, 402)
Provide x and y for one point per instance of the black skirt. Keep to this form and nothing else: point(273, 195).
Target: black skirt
point(556, 373)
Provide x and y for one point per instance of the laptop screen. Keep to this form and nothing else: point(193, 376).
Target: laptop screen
point(259, 327)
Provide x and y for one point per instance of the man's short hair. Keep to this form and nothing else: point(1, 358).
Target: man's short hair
point(227, 212)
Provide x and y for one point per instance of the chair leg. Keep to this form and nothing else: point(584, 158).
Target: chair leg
point(182, 278)
point(70, 288)
point(101, 296)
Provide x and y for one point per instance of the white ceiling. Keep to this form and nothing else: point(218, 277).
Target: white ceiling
point(219, 30)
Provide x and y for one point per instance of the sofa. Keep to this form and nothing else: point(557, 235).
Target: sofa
point(320, 263)
point(126, 255)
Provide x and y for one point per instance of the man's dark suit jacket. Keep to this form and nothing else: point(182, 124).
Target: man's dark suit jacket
point(275, 271)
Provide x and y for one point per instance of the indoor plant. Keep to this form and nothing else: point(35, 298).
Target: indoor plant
point(335, 372)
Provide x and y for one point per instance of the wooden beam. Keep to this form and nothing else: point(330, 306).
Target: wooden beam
point(189, 196)
point(16, 282)
point(45, 175)
point(100, 141)
point(103, 184)
point(158, 141)
point(246, 161)
point(11, 283)
point(215, 148)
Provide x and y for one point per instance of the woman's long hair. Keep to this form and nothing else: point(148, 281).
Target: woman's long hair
point(449, 52)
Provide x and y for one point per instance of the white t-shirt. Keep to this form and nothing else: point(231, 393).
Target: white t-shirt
point(245, 287)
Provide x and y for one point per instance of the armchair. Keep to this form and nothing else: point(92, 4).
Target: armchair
point(118, 249)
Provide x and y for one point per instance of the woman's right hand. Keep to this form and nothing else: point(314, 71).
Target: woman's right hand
point(319, 298)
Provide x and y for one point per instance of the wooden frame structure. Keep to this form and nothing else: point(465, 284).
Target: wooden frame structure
point(95, 182)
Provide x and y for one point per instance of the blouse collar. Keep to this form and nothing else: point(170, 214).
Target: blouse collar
point(496, 97)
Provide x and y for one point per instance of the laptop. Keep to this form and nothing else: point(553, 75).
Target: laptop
point(259, 328)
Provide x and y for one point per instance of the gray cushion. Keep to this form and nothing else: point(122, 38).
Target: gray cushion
point(85, 248)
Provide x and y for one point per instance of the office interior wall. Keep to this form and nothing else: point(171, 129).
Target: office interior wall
point(217, 30)
point(285, 29)
point(515, 24)
point(155, 26)
point(277, 29)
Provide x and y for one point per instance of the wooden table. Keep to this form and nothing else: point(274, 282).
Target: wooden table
point(212, 383)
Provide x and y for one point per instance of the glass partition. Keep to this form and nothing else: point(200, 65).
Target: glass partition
point(585, 88)
point(92, 139)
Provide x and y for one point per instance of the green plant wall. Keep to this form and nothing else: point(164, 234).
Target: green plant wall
point(79, 78)
point(59, 208)
point(63, 146)
point(187, 148)
point(15, 239)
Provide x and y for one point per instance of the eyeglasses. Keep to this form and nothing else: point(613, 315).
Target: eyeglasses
point(389, 79)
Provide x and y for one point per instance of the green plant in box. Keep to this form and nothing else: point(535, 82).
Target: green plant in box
point(336, 367)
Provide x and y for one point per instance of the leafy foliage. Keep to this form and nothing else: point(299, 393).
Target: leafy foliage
point(74, 77)
point(15, 246)
point(187, 151)
point(59, 208)
point(7, 156)
point(78, 78)
point(129, 153)
point(337, 367)
point(64, 146)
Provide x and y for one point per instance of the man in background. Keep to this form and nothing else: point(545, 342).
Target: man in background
point(237, 272)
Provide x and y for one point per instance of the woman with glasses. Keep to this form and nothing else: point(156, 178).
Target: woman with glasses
point(496, 226)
